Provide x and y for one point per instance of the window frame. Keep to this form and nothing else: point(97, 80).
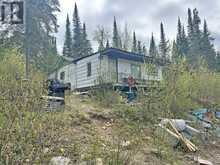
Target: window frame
point(62, 75)
point(139, 68)
point(89, 69)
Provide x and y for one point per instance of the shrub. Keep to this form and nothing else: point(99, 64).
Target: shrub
point(106, 96)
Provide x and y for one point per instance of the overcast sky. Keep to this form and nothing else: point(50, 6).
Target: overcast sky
point(143, 16)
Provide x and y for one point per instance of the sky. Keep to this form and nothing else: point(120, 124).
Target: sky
point(143, 16)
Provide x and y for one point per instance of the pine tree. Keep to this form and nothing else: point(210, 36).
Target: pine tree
point(164, 47)
point(116, 38)
point(77, 34)
point(41, 25)
point(67, 48)
point(181, 40)
point(86, 47)
point(195, 52)
point(196, 22)
point(190, 24)
point(153, 49)
point(185, 44)
point(139, 48)
point(208, 51)
point(179, 35)
point(134, 47)
point(175, 52)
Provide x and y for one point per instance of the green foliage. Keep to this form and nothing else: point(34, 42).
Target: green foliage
point(41, 23)
point(164, 44)
point(67, 48)
point(39, 39)
point(20, 101)
point(87, 48)
point(134, 45)
point(176, 56)
point(208, 51)
point(116, 41)
point(190, 24)
point(106, 96)
point(181, 40)
point(77, 34)
point(80, 44)
point(153, 48)
point(199, 42)
point(48, 63)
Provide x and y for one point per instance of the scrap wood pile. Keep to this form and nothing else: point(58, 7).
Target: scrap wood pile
point(175, 129)
point(208, 121)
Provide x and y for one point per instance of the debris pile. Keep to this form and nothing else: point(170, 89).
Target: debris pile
point(177, 128)
point(207, 119)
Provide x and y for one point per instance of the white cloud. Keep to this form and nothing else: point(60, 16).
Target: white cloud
point(143, 15)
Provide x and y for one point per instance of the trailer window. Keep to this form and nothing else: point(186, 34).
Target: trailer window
point(89, 69)
point(62, 76)
point(136, 71)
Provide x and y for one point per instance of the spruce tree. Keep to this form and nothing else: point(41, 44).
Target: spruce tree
point(181, 40)
point(208, 51)
point(67, 48)
point(190, 24)
point(179, 35)
point(41, 25)
point(116, 39)
point(77, 34)
point(153, 49)
point(164, 47)
point(196, 22)
point(134, 45)
point(86, 47)
point(185, 44)
point(195, 52)
point(175, 52)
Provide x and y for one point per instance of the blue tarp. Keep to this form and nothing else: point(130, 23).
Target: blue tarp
point(200, 113)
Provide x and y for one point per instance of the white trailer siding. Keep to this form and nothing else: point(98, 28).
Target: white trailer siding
point(69, 75)
point(52, 75)
point(107, 66)
point(82, 78)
